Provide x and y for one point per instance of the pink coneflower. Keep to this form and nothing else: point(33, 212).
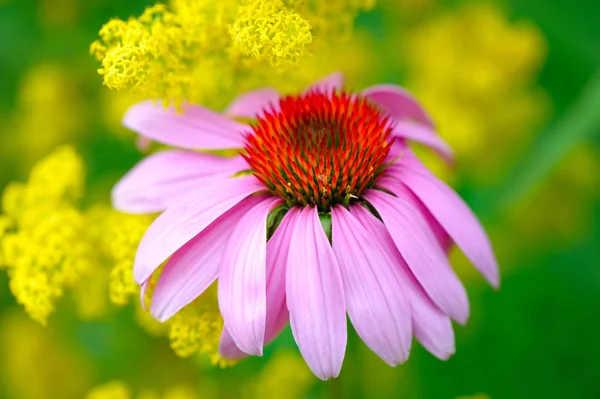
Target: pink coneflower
point(325, 211)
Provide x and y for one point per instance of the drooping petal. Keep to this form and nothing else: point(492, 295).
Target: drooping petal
point(162, 178)
point(193, 128)
point(253, 103)
point(375, 299)
point(278, 248)
point(424, 256)
point(330, 83)
point(277, 312)
point(432, 328)
point(227, 347)
point(453, 214)
point(394, 185)
point(195, 266)
point(242, 277)
point(187, 218)
point(143, 288)
point(424, 135)
point(315, 296)
point(398, 103)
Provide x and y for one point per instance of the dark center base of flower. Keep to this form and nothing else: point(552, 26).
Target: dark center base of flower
point(319, 149)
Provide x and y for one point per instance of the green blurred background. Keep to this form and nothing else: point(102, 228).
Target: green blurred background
point(515, 88)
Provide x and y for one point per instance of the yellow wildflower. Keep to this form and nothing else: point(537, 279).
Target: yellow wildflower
point(110, 390)
point(117, 236)
point(473, 69)
point(333, 19)
point(575, 181)
point(46, 94)
point(45, 249)
point(285, 376)
point(91, 293)
point(197, 329)
point(120, 390)
point(35, 360)
point(268, 30)
point(183, 392)
point(205, 52)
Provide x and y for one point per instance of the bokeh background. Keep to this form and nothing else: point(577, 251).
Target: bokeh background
point(514, 87)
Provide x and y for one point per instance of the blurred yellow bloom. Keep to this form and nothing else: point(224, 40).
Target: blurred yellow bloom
point(48, 244)
point(194, 330)
point(182, 392)
point(120, 390)
point(474, 71)
point(197, 329)
point(43, 251)
point(38, 363)
point(285, 376)
point(111, 390)
point(206, 52)
point(268, 30)
point(117, 236)
point(48, 107)
point(568, 195)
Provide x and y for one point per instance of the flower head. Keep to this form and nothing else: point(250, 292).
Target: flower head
point(318, 148)
point(325, 211)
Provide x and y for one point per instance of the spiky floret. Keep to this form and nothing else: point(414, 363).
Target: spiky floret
point(318, 148)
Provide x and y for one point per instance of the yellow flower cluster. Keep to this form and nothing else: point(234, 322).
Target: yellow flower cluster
point(47, 104)
point(474, 71)
point(120, 390)
point(36, 359)
point(117, 236)
point(575, 181)
point(110, 390)
point(40, 239)
point(205, 52)
point(48, 244)
point(333, 19)
point(268, 30)
point(284, 376)
point(196, 329)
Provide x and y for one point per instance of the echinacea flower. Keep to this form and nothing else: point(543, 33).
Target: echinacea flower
point(324, 212)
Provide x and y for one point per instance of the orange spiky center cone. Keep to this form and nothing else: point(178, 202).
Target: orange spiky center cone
point(320, 149)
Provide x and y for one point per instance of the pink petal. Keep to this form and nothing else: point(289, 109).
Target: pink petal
point(143, 288)
point(376, 303)
point(315, 296)
point(227, 347)
point(424, 135)
point(453, 214)
point(162, 178)
point(419, 248)
point(187, 218)
point(195, 266)
point(277, 313)
point(253, 103)
point(398, 103)
point(395, 186)
point(397, 150)
point(432, 328)
point(242, 278)
point(278, 248)
point(330, 83)
point(143, 143)
point(195, 127)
